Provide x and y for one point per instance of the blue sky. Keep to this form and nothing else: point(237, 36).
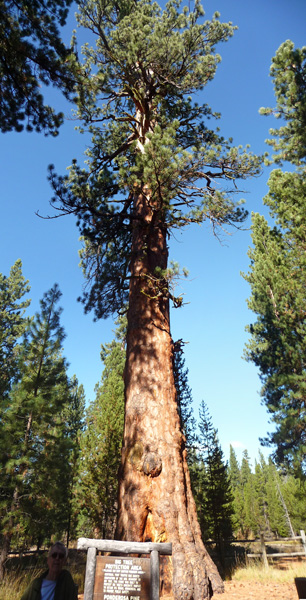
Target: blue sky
point(213, 321)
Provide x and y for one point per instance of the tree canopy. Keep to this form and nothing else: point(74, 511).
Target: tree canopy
point(32, 55)
point(147, 136)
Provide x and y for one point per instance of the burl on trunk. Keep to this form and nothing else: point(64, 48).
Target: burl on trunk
point(155, 498)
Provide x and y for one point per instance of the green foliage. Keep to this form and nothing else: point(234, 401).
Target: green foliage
point(184, 398)
point(267, 501)
point(277, 271)
point(233, 468)
point(288, 71)
point(73, 415)
point(96, 487)
point(276, 507)
point(248, 495)
point(149, 138)
point(211, 485)
point(37, 435)
point(293, 490)
point(237, 492)
point(31, 54)
point(13, 324)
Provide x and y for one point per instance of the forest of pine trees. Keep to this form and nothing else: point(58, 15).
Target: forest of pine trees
point(60, 460)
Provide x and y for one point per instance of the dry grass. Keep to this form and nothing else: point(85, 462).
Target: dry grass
point(78, 574)
point(15, 583)
point(284, 572)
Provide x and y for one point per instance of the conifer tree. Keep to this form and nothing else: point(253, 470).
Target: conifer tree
point(150, 168)
point(261, 477)
point(13, 324)
point(100, 447)
point(34, 449)
point(234, 468)
point(277, 274)
point(238, 505)
point(215, 491)
point(280, 524)
point(73, 415)
point(248, 494)
point(31, 54)
point(184, 399)
point(293, 491)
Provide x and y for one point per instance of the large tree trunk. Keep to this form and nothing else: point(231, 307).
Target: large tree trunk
point(155, 498)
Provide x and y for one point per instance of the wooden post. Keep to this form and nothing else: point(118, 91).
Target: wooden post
point(303, 538)
point(154, 565)
point(90, 574)
point(263, 551)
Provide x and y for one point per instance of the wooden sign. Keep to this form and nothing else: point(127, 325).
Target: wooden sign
point(120, 578)
point(131, 579)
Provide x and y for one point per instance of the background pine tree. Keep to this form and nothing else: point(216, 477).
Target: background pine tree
point(184, 398)
point(211, 485)
point(13, 324)
point(277, 271)
point(96, 488)
point(37, 443)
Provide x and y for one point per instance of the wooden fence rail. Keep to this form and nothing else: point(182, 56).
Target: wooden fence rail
point(266, 555)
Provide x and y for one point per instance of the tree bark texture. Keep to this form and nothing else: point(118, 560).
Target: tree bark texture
point(155, 498)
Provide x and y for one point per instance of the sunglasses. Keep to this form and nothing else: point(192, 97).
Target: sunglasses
point(58, 555)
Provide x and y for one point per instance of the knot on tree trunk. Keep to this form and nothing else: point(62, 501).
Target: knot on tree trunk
point(135, 454)
point(152, 464)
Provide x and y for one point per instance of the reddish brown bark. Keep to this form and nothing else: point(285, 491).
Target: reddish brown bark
point(155, 498)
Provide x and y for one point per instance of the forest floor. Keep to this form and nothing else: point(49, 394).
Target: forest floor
point(257, 583)
point(253, 590)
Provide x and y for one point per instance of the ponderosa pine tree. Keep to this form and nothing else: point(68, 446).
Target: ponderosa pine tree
point(153, 165)
point(278, 266)
point(34, 448)
point(31, 54)
point(13, 324)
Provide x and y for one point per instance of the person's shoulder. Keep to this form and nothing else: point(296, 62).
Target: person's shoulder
point(65, 574)
point(33, 590)
point(66, 586)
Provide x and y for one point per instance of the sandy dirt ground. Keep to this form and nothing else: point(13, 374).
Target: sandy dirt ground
point(246, 590)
